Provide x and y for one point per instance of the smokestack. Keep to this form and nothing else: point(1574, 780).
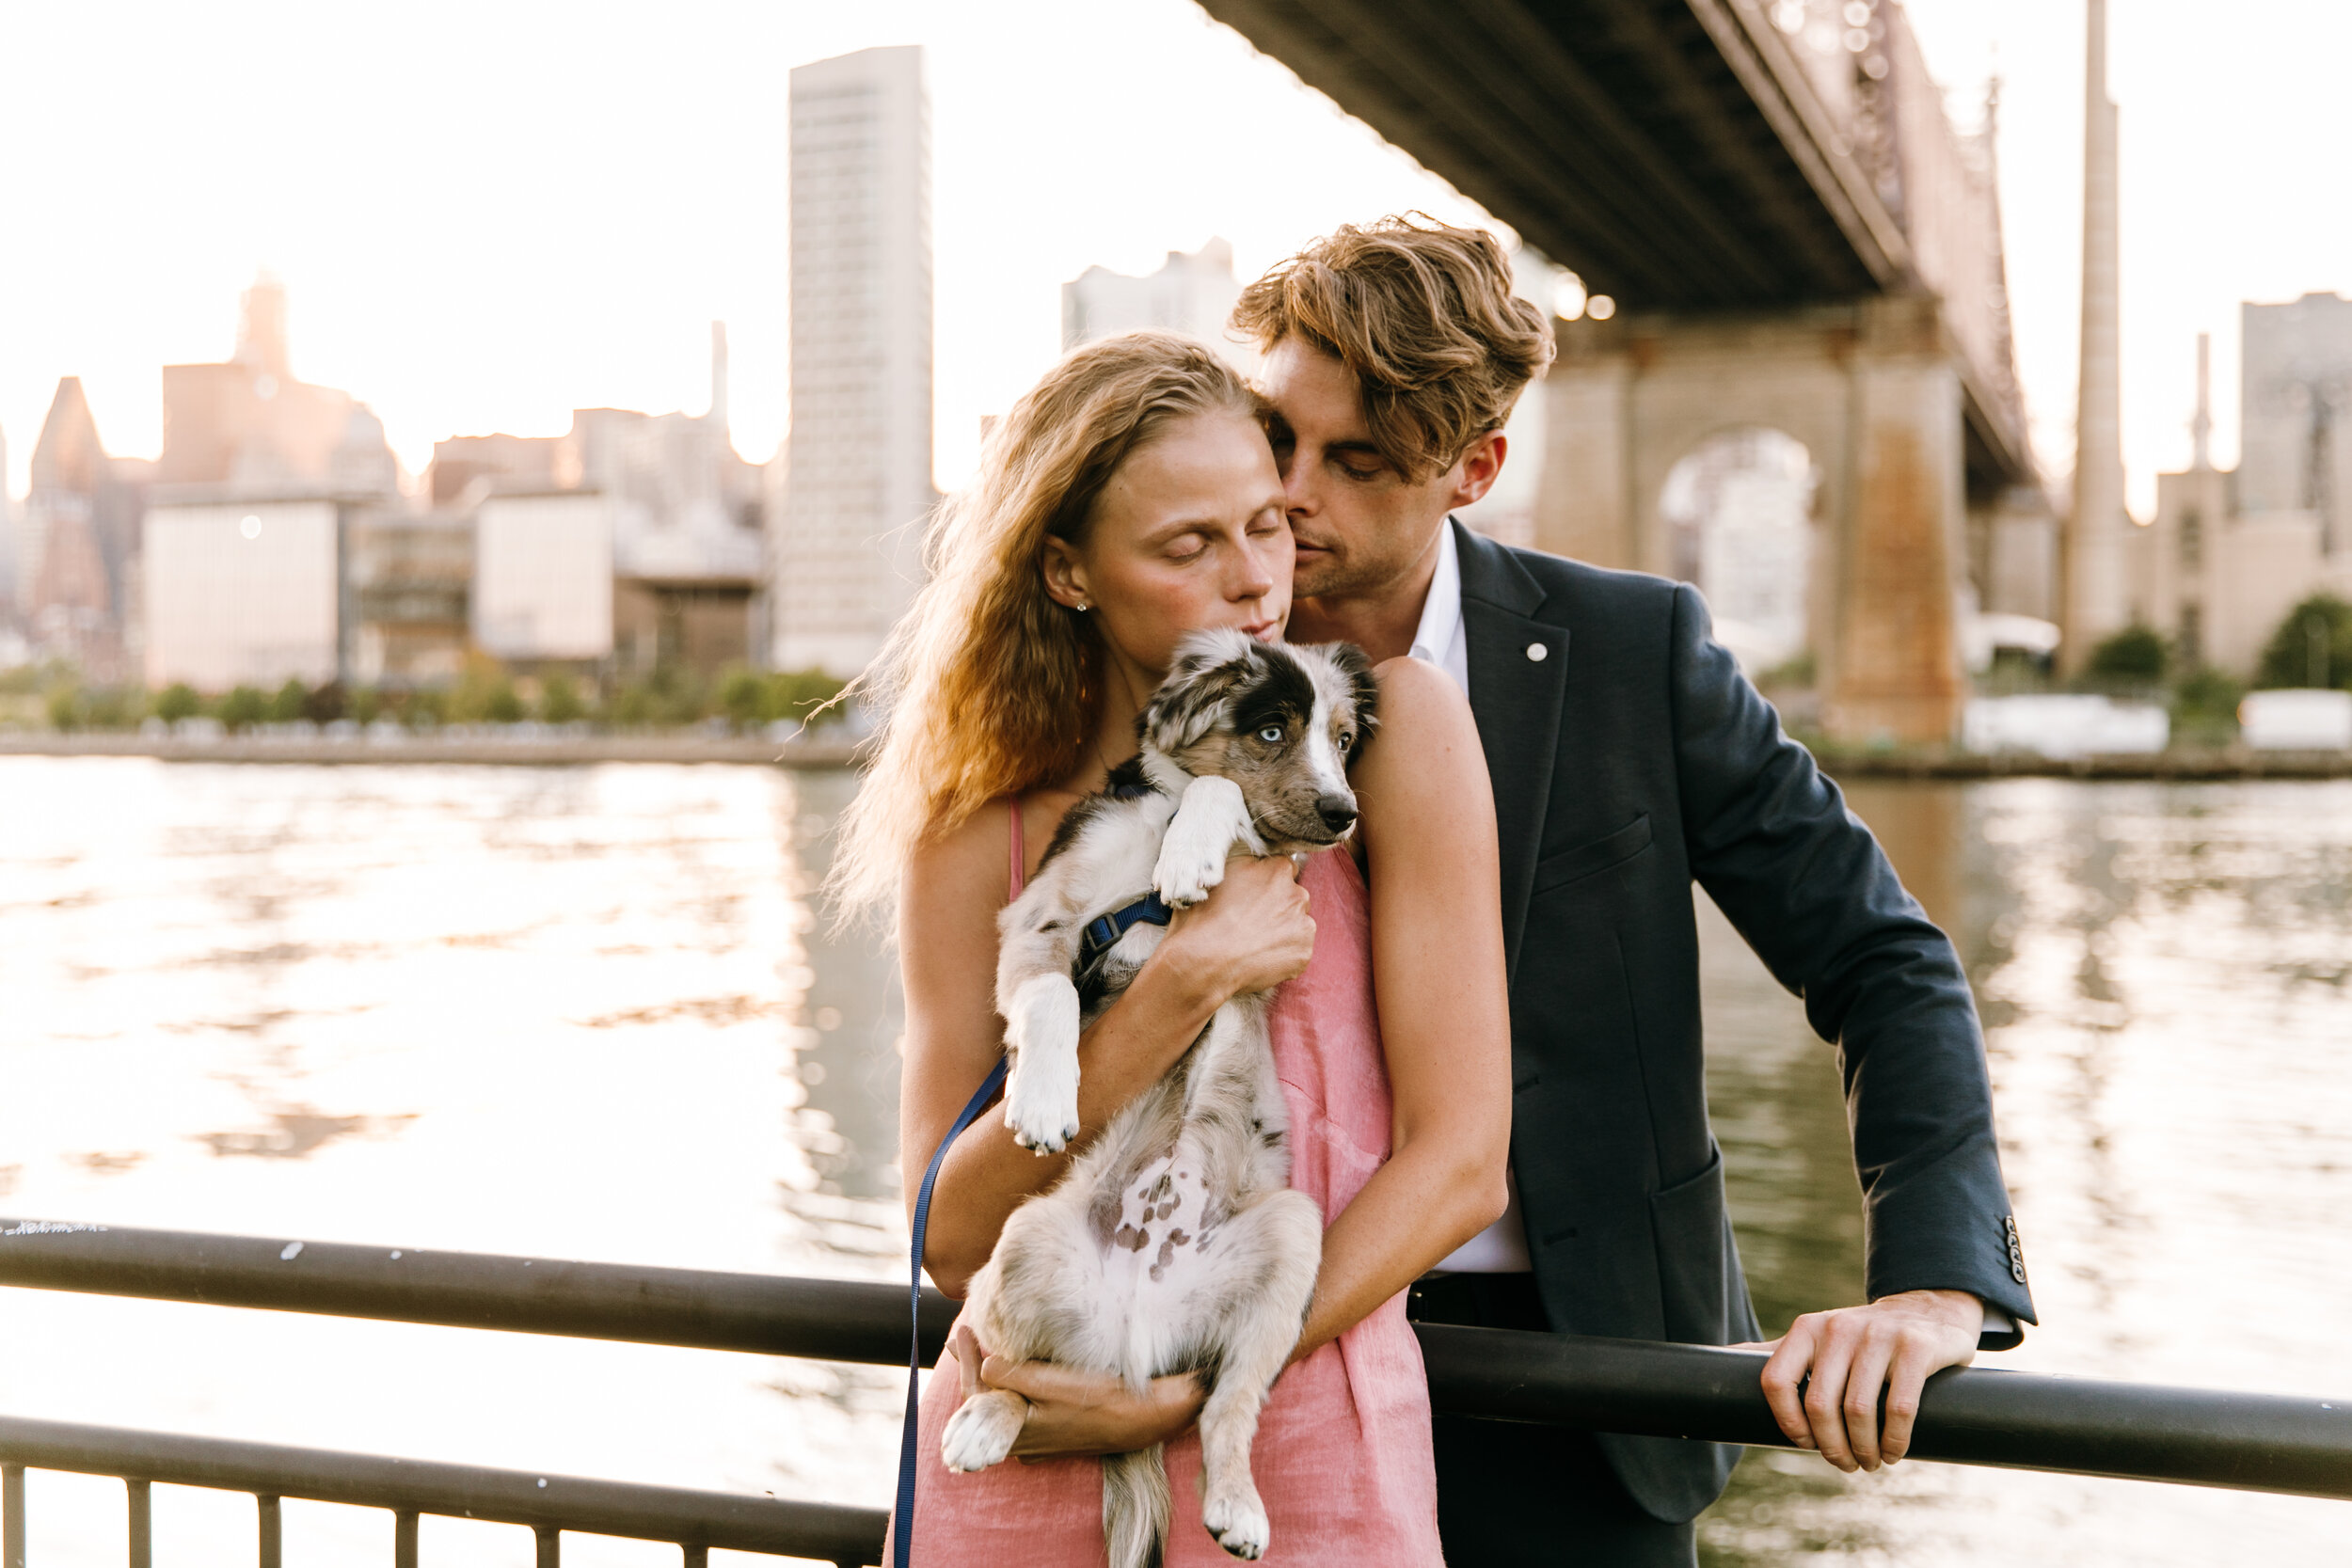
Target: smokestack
point(2096, 591)
point(719, 374)
point(2200, 428)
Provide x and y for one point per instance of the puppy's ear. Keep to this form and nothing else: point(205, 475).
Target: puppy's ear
point(1356, 665)
point(1210, 667)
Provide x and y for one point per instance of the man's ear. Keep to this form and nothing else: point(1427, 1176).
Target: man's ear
point(1065, 574)
point(1479, 467)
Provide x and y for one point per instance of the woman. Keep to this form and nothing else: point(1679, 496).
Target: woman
point(1129, 499)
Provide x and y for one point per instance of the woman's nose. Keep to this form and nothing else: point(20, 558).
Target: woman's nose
point(1251, 579)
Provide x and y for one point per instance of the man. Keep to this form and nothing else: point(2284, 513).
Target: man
point(1630, 759)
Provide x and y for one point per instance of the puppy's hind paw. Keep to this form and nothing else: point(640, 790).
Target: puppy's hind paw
point(1239, 1523)
point(981, 1433)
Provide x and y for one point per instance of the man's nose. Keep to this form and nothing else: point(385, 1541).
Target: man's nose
point(1298, 491)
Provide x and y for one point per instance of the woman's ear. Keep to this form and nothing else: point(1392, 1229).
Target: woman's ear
point(1065, 574)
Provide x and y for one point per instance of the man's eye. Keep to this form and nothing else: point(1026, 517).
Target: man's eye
point(1271, 735)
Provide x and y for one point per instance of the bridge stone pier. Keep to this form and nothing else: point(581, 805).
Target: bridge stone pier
point(1872, 390)
point(1797, 240)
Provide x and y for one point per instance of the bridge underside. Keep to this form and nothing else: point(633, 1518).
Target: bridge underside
point(1677, 155)
point(1654, 146)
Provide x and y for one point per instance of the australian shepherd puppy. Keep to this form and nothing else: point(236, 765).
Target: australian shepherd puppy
point(1174, 1243)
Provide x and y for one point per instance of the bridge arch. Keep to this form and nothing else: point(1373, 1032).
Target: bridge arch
point(1738, 518)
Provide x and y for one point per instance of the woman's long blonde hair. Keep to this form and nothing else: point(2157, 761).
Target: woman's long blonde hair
point(988, 687)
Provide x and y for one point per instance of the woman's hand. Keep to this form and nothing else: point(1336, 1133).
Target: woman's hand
point(1073, 1412)
point(1250, 934)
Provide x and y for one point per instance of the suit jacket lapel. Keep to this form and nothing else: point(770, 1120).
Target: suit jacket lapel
point(1516, 699)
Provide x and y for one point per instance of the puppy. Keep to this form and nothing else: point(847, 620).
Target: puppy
point(1174, 1243)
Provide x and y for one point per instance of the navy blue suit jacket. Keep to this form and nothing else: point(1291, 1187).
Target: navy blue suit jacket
point(1628, 762)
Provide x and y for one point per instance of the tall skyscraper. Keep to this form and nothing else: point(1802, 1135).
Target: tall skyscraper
point(2097, 594)
point(2295, 454)
point(847, 553)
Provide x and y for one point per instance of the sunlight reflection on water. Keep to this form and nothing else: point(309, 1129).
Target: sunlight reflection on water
point(584, 1012)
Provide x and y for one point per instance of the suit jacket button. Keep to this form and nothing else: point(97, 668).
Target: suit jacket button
point(2017, 1272)
point(1537, 651)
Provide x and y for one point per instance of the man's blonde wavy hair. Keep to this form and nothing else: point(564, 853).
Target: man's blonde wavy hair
point(1422, 313)
point(987, 686)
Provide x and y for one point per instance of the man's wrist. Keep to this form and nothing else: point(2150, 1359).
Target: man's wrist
point(1962, 1309)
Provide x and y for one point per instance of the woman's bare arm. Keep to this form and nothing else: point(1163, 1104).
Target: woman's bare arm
point(1251, 933)
point(1437, 975)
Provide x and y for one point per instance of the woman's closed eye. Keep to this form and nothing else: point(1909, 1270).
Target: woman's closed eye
point(1187, 546)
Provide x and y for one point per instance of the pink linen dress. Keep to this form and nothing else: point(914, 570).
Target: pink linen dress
point(1342, 1456)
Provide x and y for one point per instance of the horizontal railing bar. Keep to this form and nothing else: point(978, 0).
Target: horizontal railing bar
point(678, 1515)
point(823, 1319)
point(1975, 1415)
point(1967, 1415)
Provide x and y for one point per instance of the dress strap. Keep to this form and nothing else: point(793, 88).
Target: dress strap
point(1015, 842)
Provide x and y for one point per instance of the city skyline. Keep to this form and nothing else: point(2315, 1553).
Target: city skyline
point(479, 305)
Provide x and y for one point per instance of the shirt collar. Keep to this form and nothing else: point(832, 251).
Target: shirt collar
point(1441, 611)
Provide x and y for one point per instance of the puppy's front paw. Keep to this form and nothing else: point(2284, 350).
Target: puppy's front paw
point(1186, 872)
point(1239, 1523)
point(1209, 821)
point(981, 1432)
point(1042, 1100)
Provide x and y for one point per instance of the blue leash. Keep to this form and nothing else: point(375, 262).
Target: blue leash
point(902, 1516)
point(1101, 936)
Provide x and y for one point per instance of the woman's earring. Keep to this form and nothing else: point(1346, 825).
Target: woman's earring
point(1082, 607)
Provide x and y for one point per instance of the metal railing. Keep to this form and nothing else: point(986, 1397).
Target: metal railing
point(1973, 1416)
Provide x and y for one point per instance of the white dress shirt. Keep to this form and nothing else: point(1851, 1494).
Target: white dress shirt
point(1439, 640)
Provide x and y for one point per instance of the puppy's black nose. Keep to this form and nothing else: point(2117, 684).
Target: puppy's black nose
point(1337, 810)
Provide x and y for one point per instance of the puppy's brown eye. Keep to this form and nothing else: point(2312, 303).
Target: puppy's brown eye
point(1271, 735)
point(1346, 741)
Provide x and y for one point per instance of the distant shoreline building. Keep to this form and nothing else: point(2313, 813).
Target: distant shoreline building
point(78, 543)
point(856, 489)
point(1192, 293)
point(263, 482)
point(2231, 552)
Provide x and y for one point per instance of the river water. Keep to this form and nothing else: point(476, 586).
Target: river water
point(586, 1012)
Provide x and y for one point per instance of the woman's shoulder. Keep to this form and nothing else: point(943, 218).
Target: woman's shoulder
point(1420, 699)
point(964, 863)
point(1426, 749)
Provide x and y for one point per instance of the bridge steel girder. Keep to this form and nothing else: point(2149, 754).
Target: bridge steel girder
point(1673, 152)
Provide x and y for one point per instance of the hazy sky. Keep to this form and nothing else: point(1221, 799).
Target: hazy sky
point(489, 213)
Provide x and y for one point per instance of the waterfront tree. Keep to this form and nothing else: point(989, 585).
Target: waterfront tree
point(2313, 646)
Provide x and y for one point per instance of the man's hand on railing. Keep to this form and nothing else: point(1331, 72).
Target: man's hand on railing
point(1826, 1373)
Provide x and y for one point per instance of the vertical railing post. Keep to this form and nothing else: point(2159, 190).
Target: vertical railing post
point(142, 1503)
point(550, 1546)
point(11, 1516)
point(404, 1538)
point(273, 1539)
point(696, 1557)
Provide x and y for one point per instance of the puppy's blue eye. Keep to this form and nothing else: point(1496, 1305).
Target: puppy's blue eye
point(1271, 735)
